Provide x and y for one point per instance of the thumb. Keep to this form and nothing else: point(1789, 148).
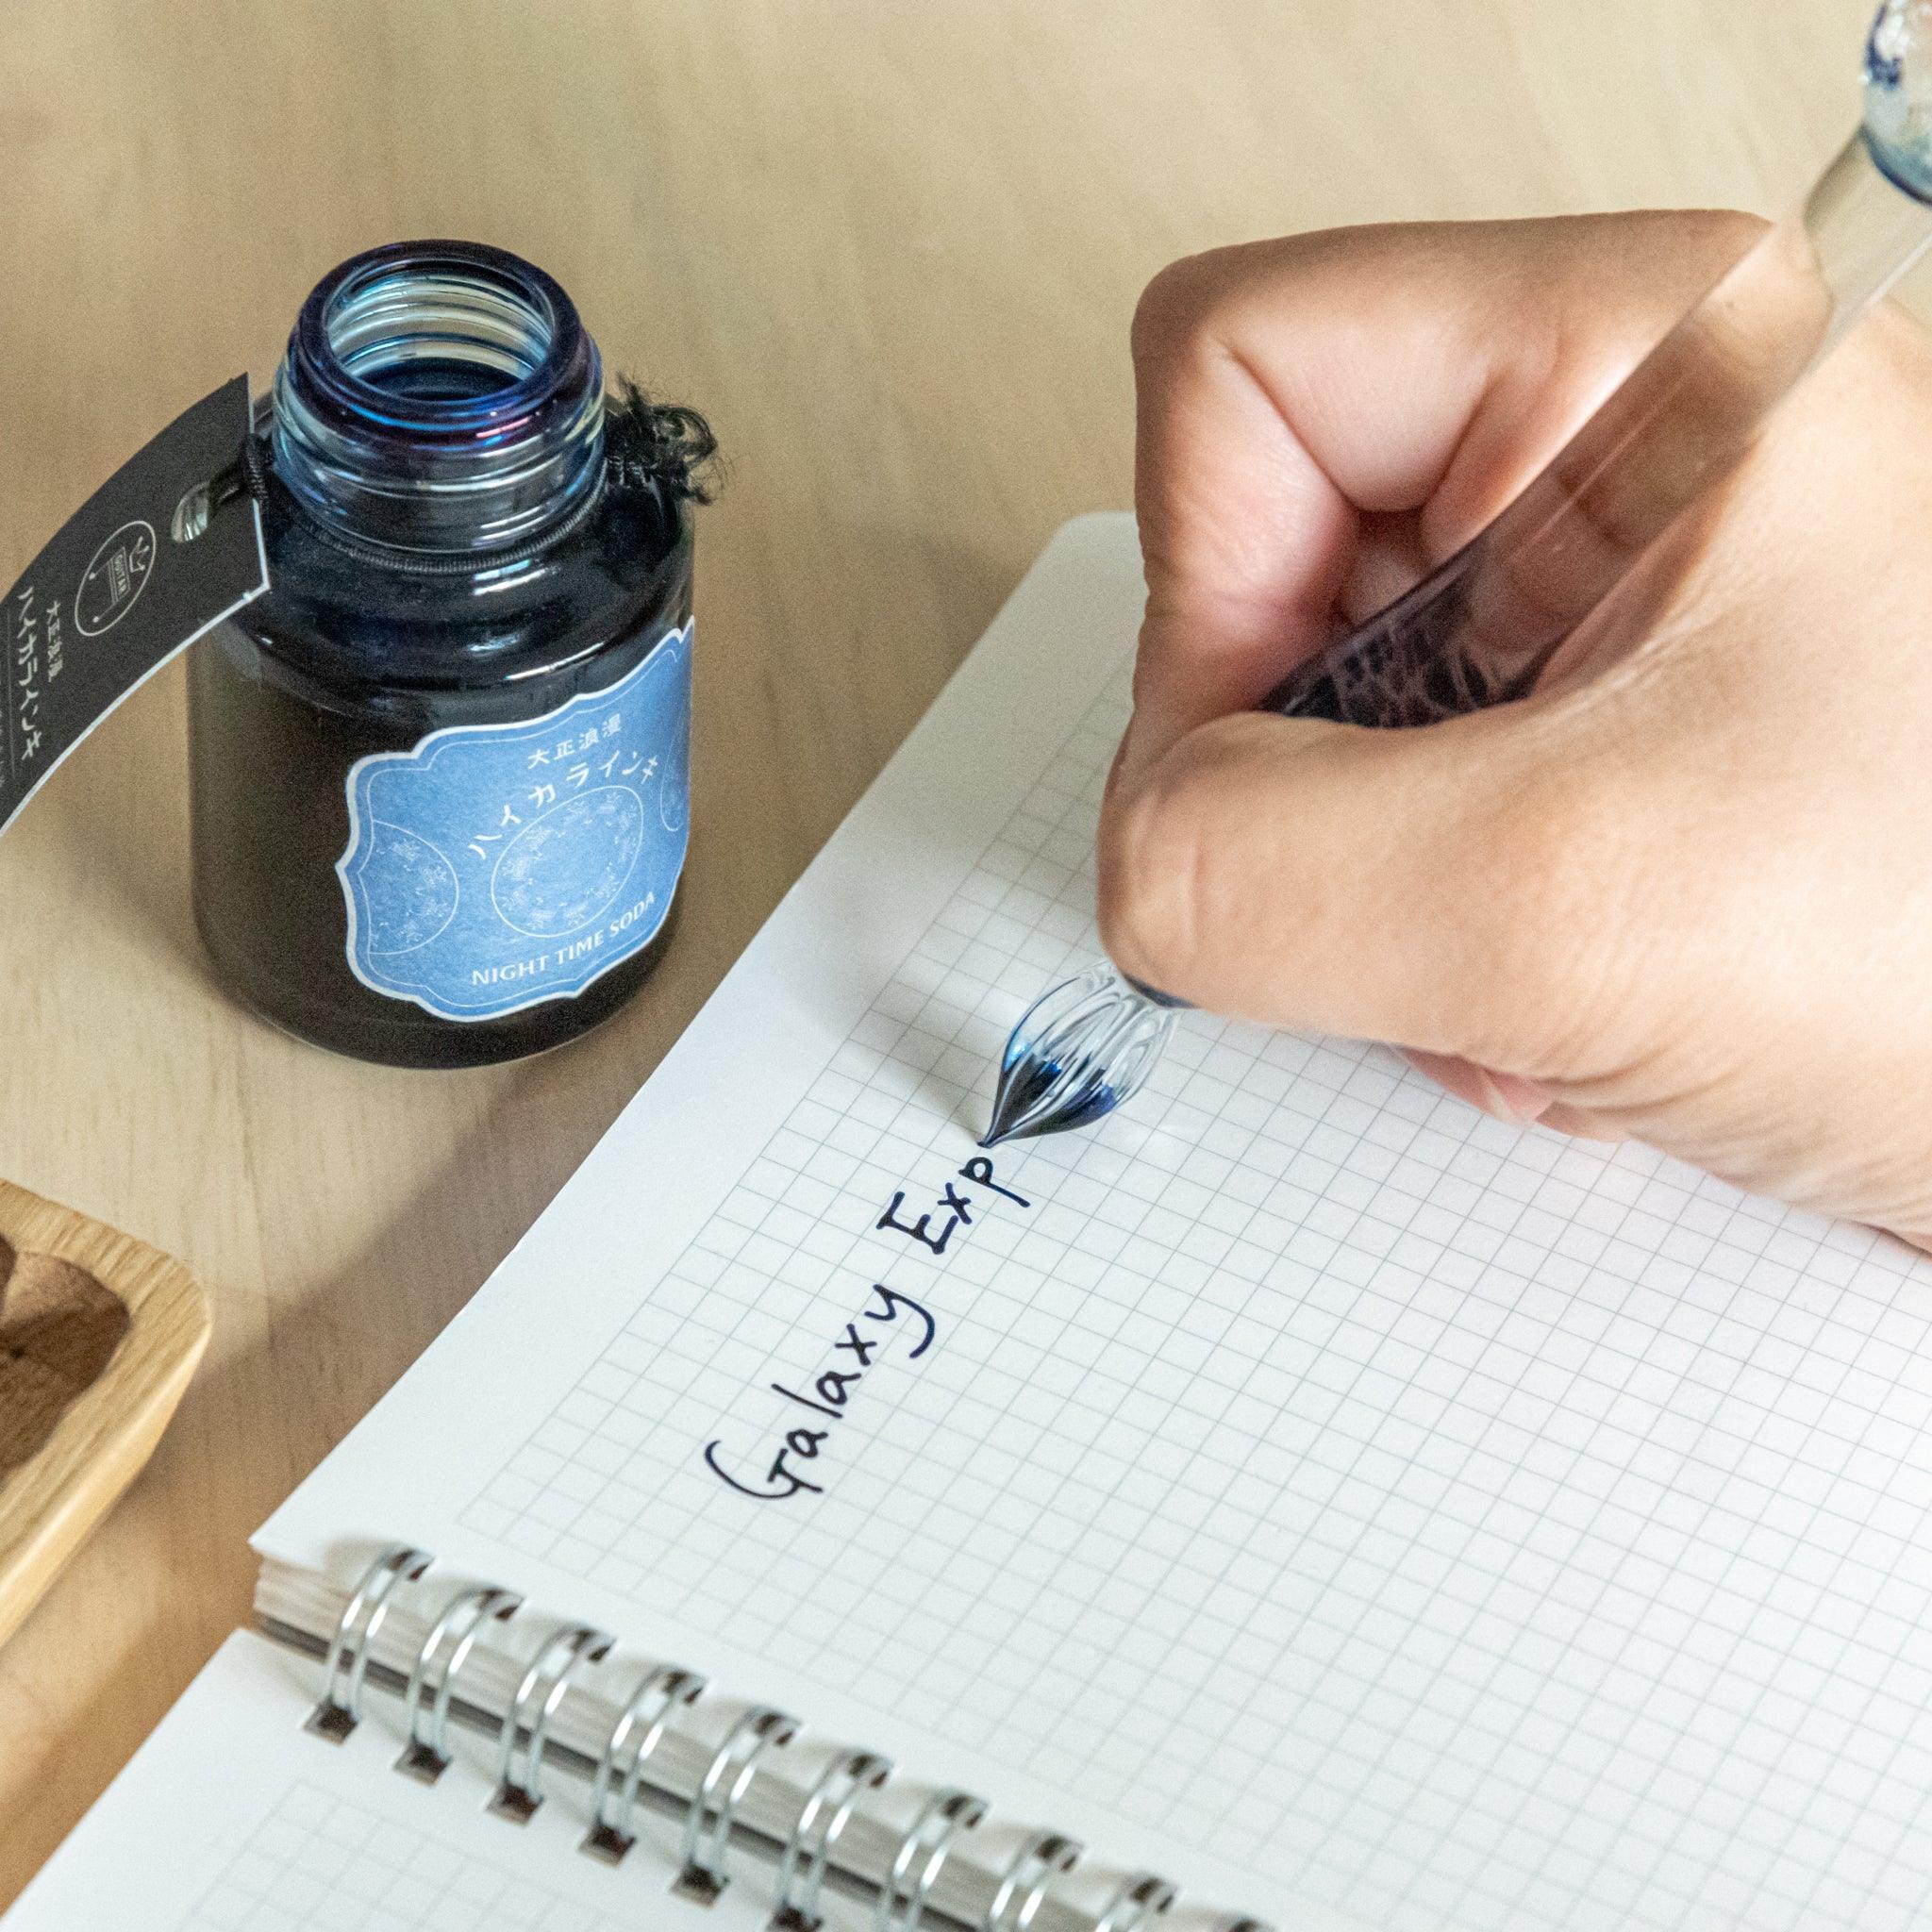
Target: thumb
point(1439, 889)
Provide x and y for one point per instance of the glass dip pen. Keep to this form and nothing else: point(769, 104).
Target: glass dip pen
point(1480, 629)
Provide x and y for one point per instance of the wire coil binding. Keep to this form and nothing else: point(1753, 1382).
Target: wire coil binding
point(340, 1710)
point(708, 1827)
point(526, 1721)
point(638, 1730)
point(433, 1677)
point(945, 1816)
point(1144, 1897)
point(809, 1850)
point(1023, 1889)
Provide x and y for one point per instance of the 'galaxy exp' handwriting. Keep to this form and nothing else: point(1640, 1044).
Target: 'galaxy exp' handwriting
point(955, 1207)
point(828, 1398)
point(831, 1395)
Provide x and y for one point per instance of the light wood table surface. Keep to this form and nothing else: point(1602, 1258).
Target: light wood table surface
point(892, 247)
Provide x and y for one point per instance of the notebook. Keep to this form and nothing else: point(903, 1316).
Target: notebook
point(1298, 1499)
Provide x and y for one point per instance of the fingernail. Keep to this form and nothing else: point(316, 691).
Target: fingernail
point(1511, 1098)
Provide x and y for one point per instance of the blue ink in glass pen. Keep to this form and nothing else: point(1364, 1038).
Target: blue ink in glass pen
point(1480, 629)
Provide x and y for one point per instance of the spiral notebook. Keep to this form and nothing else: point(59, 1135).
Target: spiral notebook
point(1297, 1500)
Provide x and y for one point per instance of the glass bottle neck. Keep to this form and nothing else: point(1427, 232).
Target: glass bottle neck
point(439, 396)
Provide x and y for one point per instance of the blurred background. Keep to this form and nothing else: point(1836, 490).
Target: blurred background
point(892, 248)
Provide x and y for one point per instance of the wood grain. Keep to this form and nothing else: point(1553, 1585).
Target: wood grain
point(892, 248)
point(99, 1334)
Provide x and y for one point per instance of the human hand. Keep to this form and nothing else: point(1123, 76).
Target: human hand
point(1685, 894)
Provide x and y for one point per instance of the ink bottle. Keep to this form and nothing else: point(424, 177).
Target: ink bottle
point(440, 773)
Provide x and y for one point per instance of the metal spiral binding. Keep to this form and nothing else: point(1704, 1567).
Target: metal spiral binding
point(708, 1829)
point(528, 1720)
point(620, 1768)
point(425, 1757)
point(1144, 1897)
point(340, 1710)
point(1024, 1889)
point(809, 1850)
point(945, 1816)
point(807, 1857)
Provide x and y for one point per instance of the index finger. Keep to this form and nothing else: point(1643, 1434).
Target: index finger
point(1289, 390)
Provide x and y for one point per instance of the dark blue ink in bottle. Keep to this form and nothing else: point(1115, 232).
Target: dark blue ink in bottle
point(440, 772)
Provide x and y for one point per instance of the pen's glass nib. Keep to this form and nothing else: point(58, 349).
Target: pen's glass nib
point(1079, 1050)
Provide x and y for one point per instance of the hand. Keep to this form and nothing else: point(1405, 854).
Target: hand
point(1685, 894)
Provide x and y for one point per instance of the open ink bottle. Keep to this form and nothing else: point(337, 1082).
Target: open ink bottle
point(440, 771)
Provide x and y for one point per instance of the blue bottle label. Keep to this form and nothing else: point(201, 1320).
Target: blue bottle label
point(497, 866)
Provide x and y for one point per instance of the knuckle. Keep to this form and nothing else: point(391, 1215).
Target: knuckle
point(1170, 309)
point(1203, 301)
point(1180, 308)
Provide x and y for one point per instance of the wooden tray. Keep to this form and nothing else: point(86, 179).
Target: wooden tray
point(98, 1337)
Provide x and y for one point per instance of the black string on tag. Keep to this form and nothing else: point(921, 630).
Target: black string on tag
point(659, 447)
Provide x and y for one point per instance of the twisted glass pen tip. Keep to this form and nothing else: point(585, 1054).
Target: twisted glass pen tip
point(1480, 629)
point(1080, 1049)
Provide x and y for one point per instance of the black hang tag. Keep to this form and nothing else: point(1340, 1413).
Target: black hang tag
point(116, 593)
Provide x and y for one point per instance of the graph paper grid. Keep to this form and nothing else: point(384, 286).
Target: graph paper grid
point(1449, 1523)
point(318, 1864)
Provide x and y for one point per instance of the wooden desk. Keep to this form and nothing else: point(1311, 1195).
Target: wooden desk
point(892, 247)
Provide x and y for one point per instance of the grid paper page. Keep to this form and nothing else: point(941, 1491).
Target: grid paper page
point(1361, 1511)
point(232, 1818)
point(1445, 1523)
point(319, 1863)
